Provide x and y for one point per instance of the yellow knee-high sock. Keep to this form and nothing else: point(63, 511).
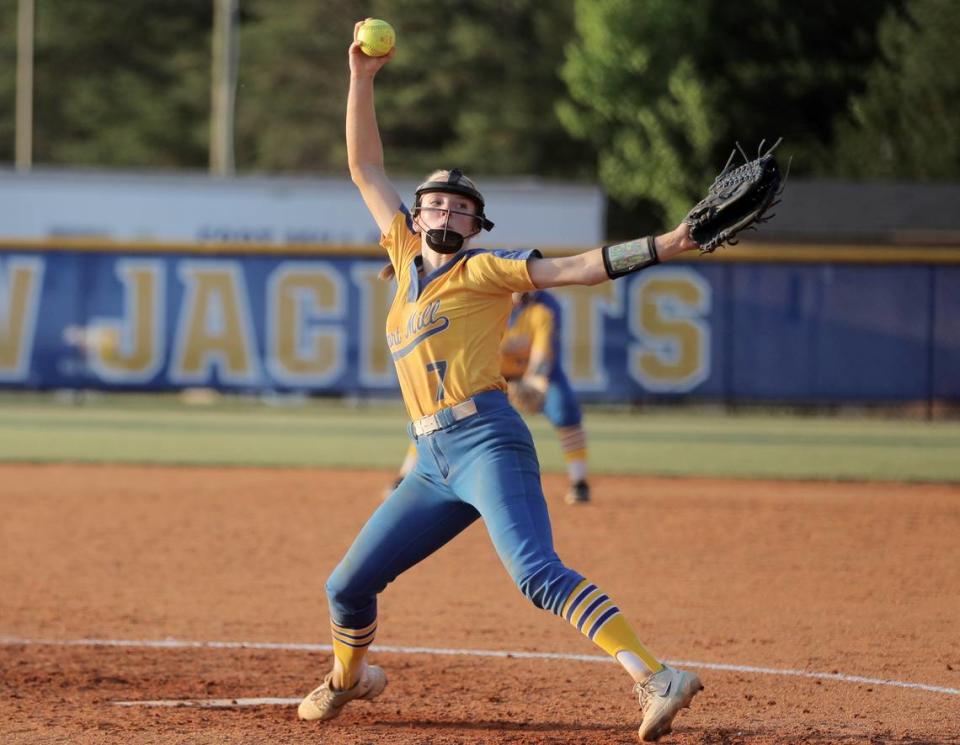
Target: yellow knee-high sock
point(350, 647)
point(597, 617)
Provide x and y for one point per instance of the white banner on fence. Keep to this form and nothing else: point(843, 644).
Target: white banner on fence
point(192, 207)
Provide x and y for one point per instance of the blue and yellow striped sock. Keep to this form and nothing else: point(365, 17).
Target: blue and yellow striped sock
point(350, 647)
point(573, 441)
point(594, 614)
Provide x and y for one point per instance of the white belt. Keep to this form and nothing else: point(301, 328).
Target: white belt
point(432, 422)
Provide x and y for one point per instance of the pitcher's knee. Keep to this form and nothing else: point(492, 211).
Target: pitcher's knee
point(336, 588)
point(549, 585)
point(348, 600)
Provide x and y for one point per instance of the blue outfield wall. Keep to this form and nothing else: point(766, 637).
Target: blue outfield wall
point(702, 329)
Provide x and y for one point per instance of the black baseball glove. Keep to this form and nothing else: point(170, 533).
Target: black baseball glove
point(738, 198)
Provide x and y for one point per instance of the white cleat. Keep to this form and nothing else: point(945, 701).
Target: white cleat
point(662, 695)
point(323, 702)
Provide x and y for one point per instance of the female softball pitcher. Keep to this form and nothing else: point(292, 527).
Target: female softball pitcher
point(475, 456)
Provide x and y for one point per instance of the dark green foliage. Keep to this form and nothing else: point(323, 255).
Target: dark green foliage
point(473, 84)
point(663, 88)
point(476, 84)
point(905, 125)
point(122, 84)
point(292, 85)
point(8, 67)
point(127, 84)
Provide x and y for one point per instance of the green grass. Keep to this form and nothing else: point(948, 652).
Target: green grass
point(333, 433)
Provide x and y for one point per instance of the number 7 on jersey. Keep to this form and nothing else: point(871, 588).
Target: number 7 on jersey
point(441, 369)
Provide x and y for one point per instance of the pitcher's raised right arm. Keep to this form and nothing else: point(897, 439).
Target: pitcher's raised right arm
point(364, 148)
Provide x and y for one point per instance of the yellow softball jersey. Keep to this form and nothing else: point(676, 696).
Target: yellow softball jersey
point(444, 328)
point(530, 329)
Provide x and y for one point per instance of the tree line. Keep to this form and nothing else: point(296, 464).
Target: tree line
point(645, 96)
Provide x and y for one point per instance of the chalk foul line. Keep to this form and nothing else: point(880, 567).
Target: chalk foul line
point(297, 647)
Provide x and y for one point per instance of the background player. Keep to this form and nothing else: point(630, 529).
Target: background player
point(475, 456)
point(530, 360)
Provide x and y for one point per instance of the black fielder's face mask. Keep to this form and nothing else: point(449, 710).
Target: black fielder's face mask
point(443, 239)
point(446, 240)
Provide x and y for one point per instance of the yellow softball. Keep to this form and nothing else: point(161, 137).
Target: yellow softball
point(376, 37)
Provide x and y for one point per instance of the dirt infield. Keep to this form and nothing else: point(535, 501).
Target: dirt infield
point(851, 579)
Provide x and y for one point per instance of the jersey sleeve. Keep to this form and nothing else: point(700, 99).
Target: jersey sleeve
point(502, 271)
point(400, 242)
